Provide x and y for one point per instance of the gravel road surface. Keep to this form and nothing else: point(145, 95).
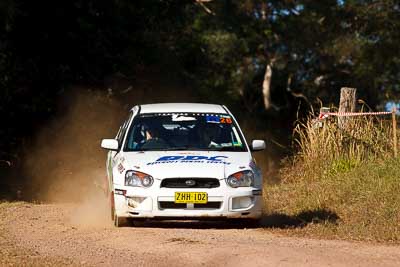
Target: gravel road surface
point(67, 234)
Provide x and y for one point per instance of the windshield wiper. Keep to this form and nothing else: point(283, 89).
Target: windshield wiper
point(226, 148)
point(176, 148)
point(180, 148)
point(167, 148)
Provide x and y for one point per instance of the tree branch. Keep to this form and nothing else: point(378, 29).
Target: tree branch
point(266, 86)
point(297, 95)
point(206, 9)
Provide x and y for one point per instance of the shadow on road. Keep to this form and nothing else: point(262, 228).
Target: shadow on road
point(195, 224)
point(274, 220)
point(302, 219)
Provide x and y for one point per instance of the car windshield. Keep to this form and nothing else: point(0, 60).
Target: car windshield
point(184, 131)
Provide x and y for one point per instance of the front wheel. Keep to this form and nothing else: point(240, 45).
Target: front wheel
point(120, 221)
point(112, 206)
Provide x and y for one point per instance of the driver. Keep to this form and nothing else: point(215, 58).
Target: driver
point(210, 135)
point(151, 133)
point(153, 139)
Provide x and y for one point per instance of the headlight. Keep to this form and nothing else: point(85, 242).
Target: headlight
point(139, 179)
point(241, 179)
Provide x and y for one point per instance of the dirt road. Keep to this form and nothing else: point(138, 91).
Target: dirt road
point(51, 234)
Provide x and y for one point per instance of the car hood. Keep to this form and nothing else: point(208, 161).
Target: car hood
point(167, 164)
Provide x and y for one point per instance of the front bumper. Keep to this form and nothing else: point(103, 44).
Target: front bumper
point(155, 202)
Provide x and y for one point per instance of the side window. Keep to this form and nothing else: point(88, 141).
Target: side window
point(123, 128)
point(136, 136)
point(119, 132)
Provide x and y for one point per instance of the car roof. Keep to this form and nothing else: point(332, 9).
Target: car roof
point(182, 107)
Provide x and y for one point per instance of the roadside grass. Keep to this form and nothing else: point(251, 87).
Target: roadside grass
point(346, 181)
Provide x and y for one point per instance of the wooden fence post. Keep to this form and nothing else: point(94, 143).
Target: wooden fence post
point(394, 122)
point(347, 104)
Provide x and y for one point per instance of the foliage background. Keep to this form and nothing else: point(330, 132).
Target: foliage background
point(214, 51)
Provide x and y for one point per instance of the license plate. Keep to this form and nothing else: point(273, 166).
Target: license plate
point(191, 197)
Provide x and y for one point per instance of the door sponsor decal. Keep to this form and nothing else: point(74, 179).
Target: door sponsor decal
point(191, 159)
point(121, 168)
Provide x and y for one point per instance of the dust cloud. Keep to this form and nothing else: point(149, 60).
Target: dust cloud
point(66, 163)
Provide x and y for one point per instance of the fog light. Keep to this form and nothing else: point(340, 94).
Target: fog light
point(134, 202)
point(241, 202)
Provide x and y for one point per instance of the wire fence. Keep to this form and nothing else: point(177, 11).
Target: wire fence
point(325, 114)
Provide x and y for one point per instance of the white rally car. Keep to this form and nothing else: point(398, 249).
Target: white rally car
point(182, 161)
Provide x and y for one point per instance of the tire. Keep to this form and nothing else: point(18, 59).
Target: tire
point(135, 222)
point(120, 221)
point(112, 206)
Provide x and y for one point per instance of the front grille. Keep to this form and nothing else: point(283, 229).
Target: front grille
point(190, 183)
point(172, 205)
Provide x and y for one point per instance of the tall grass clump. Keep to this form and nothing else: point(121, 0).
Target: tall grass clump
point(342, 183)
point(324, 147)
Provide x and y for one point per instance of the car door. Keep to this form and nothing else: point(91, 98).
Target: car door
point(114, 156)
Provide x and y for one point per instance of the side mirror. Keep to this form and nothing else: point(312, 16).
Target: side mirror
point(257, 145)
point(110, 144)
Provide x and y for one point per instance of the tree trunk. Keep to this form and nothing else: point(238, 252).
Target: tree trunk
point(347, 104)
point(266, 87)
